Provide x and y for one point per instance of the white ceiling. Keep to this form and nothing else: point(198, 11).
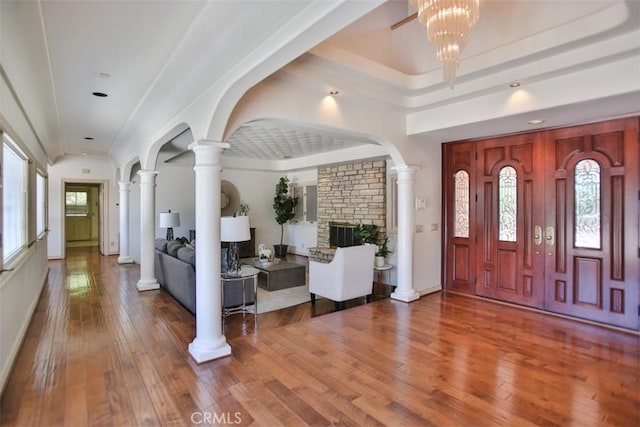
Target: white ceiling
point(277, 140)
point(161, 55)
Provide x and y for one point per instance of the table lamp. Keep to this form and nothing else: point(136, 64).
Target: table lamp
point(169, 220)
point(234, 229)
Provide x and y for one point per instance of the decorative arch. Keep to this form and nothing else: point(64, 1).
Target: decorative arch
point(151, 156)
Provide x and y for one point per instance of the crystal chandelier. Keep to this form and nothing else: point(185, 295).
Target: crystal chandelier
point(448, 25)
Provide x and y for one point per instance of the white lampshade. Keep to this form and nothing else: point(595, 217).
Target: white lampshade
point(234, 229)
point(169, 219)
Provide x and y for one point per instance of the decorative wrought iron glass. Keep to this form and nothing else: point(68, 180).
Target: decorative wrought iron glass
point(508, 204)
point(461, 204)
point(587, 218)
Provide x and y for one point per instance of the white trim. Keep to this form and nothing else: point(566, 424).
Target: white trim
point(430, 289)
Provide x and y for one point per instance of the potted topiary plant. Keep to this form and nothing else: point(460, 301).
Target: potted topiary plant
point(283, 205)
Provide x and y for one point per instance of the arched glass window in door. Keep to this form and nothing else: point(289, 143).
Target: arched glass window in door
point(587, 220)
point(461, 207)
point(507, 204)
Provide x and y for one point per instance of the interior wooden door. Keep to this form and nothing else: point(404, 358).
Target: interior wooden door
point(510, 185)
point(591, 230)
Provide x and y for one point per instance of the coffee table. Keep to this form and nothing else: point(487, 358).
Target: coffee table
point(278, 275)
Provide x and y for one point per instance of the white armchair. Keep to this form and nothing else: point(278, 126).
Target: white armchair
point(349, 275)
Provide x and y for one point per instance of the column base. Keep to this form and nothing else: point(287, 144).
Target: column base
point(204, 353)
point(412, 295)
point(125, 260)
point(147, 285)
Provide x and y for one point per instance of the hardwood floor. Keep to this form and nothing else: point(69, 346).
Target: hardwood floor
point(98, 352)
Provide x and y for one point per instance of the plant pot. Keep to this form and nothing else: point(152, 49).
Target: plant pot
point(379, 261)
point(280, 251)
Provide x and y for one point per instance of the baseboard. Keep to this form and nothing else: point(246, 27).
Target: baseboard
point(429, 290)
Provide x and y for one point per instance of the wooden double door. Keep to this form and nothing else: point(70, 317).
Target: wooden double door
point(547, 220)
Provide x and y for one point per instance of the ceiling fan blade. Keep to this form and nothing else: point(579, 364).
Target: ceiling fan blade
point(404, 21)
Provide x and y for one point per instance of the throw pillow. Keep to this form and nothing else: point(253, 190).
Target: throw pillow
point(187, 255)
point(161, 244)
point(173, 246)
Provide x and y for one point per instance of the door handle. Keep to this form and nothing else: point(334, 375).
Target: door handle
point(537, 235)
point(549, 235)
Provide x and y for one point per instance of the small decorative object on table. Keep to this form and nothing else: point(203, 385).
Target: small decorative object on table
point(265, 255)
point(244, 209)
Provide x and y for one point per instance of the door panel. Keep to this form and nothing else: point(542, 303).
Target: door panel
point(592, 264)
point(511, 262)
point(460, 217)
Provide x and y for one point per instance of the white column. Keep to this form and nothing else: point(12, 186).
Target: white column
point(147, 230)
point(405, 291)
point(125, 188)
point(209, 343)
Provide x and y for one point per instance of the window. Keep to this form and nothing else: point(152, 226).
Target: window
point(587, 204)
point(307, 208)
point(508, 204)
point(77, 203)
point(14, 191)
point(41, 207)
point(461, 207)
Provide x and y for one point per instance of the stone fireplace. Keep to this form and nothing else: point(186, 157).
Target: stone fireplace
point(350, 194)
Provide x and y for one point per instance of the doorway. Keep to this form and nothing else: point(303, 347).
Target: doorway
point(547, 220)
point(83, 214)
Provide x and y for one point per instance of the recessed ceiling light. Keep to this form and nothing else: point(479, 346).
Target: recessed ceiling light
point(535, 121)
point(514, 84)
point(333, 92)
point(100, 94)
point(89, 138)
point(105, 75)
point(84, 154)
point(286, 157)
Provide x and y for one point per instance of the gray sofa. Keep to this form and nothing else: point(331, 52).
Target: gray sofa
point(175, 271)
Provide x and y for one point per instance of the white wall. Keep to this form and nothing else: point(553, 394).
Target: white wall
point(19, 294)
point(304, 235)
point(257, 188)
point(175, 190)
point(81, 169)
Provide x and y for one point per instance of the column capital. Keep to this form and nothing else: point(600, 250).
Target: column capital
point(124, 185)
point(206, 144)
point(147, 176)
point(405, 170)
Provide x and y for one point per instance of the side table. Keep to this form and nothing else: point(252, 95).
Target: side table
point(235, 285)
point(379, 271)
